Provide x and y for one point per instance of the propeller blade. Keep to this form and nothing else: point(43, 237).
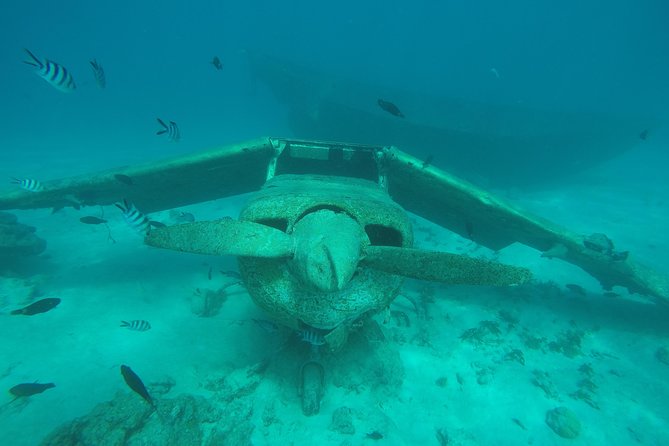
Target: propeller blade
point(223, 237)
point(452, 269)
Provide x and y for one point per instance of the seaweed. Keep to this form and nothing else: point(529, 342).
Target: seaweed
point(491, 327)
point(532, 342)
point(568, 343)
point(543, 381)
point(586, 386)
point(586, 369)
point(515, 355)
point(586, 397)
point(442, 437)
point(508, 318)
point(473, 335)
point(486, 333)
point(662, 355)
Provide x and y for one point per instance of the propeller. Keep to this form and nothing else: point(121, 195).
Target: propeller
point(444, 267)
point(223, 237)
point(327, 259)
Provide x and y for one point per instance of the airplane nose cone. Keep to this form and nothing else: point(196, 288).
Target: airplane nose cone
point(327, 249)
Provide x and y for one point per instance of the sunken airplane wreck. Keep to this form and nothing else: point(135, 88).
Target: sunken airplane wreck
point(305, 274)
point(325, 240)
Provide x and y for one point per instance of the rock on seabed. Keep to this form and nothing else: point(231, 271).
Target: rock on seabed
point(563, 422)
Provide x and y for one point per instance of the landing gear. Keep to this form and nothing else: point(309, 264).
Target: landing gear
point(311, 383)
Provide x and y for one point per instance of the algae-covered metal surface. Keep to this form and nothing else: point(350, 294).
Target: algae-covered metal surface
point(422, 189)
point(480, 216)
point(286, 202)
point(155, 186)
point(326, 250)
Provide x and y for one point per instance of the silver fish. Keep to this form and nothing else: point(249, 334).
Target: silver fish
point(55, 74)
point(136, 325)
point(171, 129)
point(28, 184)
point(99, 73)
point(135, 219)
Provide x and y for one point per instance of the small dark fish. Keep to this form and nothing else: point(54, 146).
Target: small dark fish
point(578, 289)
point(171, 129)
point(157, 224)
point(376, 435)
point(136, 325)
point(28, 184)
point(99, 73)
point(390, 108)
point(519, 423)
point(216, 62)
point(125, 179)
point(209, 272)
point(29, 389)
point(135, 383)
point(41, 306)
point(644, 134)
point(232, 274)
point(428, 161)
point(90, 220)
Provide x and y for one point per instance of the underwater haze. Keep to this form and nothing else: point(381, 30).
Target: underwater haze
point(560, 108)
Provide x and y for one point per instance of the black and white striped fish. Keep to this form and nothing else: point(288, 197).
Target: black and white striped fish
point(311, 335)
point(55, 74)
point(28, 184)
point(135, 219)
point(99, 73)
point(171, 129)
point(136, 325)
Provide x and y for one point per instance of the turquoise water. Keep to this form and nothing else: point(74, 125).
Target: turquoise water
point(560, 109)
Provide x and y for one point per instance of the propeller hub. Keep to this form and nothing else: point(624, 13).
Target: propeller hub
point(327, 249)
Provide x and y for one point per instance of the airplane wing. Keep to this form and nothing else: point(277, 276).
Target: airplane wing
point(478, 215)
point(161, 185)
point(424, 190)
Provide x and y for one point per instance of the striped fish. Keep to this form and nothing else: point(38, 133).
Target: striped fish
point(28, 184)
point(56, 75)
point(171, 129)
point(312, 336)
point(135, 219)
point(99, 73)
point(136, 325)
